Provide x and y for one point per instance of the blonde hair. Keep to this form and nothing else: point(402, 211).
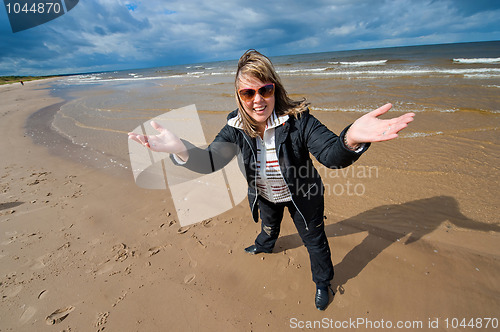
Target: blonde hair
point(255, 64)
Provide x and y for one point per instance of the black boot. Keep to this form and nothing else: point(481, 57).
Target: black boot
point(323, 296)
point(254, 250)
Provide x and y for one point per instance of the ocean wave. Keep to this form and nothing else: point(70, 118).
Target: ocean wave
point(305, 70)
point(98, 80)
point(83, 77)
point(477, 60)
point(359, 63)
point(485, 72)
point(131, 77)
point(481, 76)
point(354, 70)
point(139, 78)
point(223, 73)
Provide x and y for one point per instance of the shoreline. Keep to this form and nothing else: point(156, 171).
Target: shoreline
point(39, 128)
point(419, 244)
point(35, 80)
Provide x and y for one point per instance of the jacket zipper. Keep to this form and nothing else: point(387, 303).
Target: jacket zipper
point(291, 196)
point(255, 178)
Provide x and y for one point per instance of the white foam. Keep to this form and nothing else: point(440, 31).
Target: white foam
point(309, 70)
point(481, 76)
point(419, 134)
point(84, 77)
point(469, 73)
point(223, 73)
point(477, 60)
point(323, 109)
point(125, 79)
point(359, 63)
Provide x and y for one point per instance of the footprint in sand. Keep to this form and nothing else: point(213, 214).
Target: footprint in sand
point(104, 268)
point(207, 223)
point(102, 319)
point(12, 291)
point(153, 251)
point(27, 314)
point(189, 278)
point(9, 241)
point(11, 233)
point(45, 260)
point(39, 264)
point(42, 294)
point(183, 230)
point(59, 315)
point(192, 262)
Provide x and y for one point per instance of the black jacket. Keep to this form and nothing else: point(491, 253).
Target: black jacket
point(295, 139)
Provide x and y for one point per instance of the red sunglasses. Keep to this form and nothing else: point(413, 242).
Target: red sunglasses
point(265, 91)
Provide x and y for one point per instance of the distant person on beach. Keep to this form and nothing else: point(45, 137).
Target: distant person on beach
point(22, 83)
point(275, 136)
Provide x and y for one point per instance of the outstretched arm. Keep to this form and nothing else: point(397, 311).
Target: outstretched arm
point(369, 128)
point(165, 141)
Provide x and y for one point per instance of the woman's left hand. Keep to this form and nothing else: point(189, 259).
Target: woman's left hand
point(369, 128)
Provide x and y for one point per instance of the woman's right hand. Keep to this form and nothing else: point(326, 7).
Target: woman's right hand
point(165, 141)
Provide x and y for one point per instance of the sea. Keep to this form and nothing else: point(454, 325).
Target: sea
point(101, 108)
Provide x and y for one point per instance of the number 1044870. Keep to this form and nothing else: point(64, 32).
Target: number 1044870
point(35, 8)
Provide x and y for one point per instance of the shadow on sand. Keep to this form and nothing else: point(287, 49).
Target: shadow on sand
point(387, 224)
point(9, 205)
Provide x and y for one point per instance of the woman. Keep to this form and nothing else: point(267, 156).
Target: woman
point(275, 136)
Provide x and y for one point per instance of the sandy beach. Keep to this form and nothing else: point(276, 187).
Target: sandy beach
point(413, 228)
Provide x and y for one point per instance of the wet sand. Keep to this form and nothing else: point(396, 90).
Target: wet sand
point(413, 229)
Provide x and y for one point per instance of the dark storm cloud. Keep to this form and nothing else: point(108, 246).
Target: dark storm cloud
point(113, 34)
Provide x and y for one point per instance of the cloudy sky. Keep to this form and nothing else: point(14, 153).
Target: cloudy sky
point(99, 35)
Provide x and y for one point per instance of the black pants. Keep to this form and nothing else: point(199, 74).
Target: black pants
point(314, 239)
